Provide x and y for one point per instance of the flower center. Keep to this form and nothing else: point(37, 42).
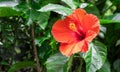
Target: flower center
point(80, 33)
point(72, 26)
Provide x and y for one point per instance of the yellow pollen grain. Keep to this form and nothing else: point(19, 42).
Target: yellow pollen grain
point(72, 26)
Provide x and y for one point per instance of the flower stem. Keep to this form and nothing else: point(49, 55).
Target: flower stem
point(70, 63)
point(80, 66)
point(81, 62)
point(39, 69)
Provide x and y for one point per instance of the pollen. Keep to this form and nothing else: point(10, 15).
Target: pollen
point(72, 26)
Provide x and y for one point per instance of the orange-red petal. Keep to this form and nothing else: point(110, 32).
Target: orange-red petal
point(62, 33)
point(90, 24)
point(77, 17)
point(90, 35)
point(85, 47)
point(69, 49)
point(78, 14)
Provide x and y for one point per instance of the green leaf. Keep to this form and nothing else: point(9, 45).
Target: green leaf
point(90, 7)
point(21, 65)
point(117, 65)
point(70, 3)
point(43, 19)
point(105, 67)
point(95, 57)
point(115, 18)
point(105, 21)
point(118, 42)
point(55, 63)
point(83, 5)
point(56, 8)
point(22, 7)
point(112, 19)
point(40, 40)
point(8, 4)
point(4, 63)
point(8, 11)
point(44, 51)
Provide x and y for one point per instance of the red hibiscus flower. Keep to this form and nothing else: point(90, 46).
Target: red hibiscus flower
point(75, 31)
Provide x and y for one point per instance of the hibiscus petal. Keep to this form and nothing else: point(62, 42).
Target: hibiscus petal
point(78, 46)
point(66, 49)
point(72, 48)
point(90, 24)
point(85, 47)
point(81, 46)
point(62, 33)
point(78, 14)
point(77, 17)
point(90, 21)
point(90, 35)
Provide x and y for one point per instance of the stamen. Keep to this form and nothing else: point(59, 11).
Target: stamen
point(72, 26)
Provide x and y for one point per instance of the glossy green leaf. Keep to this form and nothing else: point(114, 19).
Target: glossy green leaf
point(70, 3)
point(42, 19)
point(20, 65)
point(95, 57)
point(53, 44)
point(44, 51)
point(105, 67)
point(83, 5)
point(40, 40)
point(55, 63)
point(22, 7)
point(56, 8)
point(45, 2)
point(115, 18)
point(8, 3)
point(8, 11)
point(105, 21)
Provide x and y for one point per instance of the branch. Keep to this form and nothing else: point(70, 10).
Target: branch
point(39, 69)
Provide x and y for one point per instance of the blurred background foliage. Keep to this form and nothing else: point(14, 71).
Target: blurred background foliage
point(19, 17)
